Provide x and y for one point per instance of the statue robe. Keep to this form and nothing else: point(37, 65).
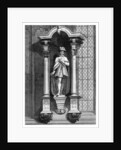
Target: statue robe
point(60, 70)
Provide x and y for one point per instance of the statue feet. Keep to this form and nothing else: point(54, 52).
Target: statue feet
point(58, 95)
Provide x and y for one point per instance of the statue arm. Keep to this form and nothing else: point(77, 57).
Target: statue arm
point(56, 63)
point(55, 66)
point(65, 62)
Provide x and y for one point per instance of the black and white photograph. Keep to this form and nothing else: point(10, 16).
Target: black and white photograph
point(60, 74)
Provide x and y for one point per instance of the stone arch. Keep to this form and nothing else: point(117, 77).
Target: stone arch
point(59, 29)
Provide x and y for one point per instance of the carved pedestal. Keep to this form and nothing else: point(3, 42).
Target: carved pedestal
point(74, 104)
point(60, 101)
point(74, 113)
point(46, 105)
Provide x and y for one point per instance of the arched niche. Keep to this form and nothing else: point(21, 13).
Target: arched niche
point(63, 37)
point(60, 36)
point(60, 29)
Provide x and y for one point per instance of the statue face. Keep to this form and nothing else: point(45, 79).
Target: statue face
point(61, 52)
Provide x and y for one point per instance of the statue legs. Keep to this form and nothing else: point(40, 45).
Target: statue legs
point(59, 86)
point(59, 98)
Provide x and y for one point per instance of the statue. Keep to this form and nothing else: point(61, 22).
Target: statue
point(60, 74)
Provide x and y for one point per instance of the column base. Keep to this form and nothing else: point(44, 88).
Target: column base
point(74, 104)
point(74, 113)
point(73, 117)
point(45, 114)
point(45, 117)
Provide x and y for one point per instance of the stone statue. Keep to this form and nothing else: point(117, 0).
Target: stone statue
point(59, 73)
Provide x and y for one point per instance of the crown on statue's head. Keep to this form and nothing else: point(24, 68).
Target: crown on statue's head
point(62, 49)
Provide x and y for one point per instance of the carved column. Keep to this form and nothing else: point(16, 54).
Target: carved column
point(73, 79)
point(45, 115)
point(74, 113)
point(46, 70)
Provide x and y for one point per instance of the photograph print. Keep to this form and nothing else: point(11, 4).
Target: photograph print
point(60, 74)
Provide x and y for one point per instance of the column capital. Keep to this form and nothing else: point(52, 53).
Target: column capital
point(75, 44)
point(45, 44)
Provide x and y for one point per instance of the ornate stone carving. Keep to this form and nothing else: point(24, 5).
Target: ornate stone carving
point(74, 113)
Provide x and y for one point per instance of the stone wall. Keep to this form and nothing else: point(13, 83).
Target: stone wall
point(86, 69)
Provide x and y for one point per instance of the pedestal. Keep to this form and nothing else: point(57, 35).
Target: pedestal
point(60, 101)
point(46, 105)
point(74, 113)
point(74, 104)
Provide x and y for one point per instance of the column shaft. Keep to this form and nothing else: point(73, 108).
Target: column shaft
point(73, 79)
point(46, 77)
